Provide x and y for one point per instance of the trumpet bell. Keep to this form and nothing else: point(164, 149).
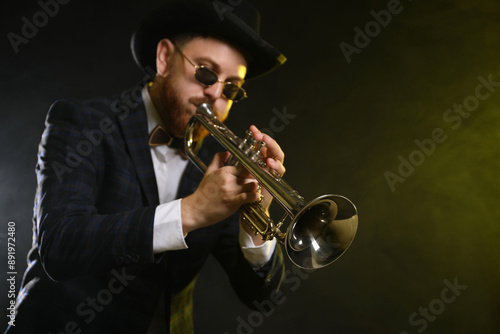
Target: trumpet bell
point(321, 232)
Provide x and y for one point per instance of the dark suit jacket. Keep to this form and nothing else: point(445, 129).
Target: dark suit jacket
point(92, 267)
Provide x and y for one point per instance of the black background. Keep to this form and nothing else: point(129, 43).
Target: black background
point(353, 123)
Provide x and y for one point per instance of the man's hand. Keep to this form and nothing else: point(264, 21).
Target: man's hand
point(224, 189)
point(274, 157)
point(221, 192)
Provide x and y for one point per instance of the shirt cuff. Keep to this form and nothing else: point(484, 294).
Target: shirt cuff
point(257, 256)
point(167, 232)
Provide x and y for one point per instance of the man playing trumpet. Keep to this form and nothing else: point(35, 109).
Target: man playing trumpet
point(122, 229)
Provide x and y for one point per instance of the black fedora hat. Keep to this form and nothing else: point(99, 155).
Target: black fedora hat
point(238, 24)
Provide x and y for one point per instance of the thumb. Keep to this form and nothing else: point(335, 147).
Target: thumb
point(218, 161)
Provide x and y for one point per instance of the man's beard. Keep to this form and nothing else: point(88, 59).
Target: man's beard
point(174, 116)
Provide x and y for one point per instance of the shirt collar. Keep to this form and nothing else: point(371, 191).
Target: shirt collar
point(151, 112)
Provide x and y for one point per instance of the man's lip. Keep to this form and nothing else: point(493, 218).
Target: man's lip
point(195, 107)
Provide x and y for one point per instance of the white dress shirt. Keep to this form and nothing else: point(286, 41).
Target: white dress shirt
point(168, 167)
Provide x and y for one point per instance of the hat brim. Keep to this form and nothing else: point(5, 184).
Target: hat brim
point(203, 17)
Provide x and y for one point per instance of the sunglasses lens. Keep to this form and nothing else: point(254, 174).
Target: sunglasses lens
point(233, 92)
point(206, 76)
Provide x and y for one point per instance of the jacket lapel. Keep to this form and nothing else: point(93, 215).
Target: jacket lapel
point(134, 125)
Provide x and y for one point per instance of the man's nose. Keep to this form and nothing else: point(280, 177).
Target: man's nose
point(214, 91)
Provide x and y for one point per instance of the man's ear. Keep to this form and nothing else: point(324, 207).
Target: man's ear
point(164, 52)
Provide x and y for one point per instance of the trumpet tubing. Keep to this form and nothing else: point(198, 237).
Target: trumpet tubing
point(319, 231)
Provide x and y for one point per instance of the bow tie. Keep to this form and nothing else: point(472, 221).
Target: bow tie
point(160, 136)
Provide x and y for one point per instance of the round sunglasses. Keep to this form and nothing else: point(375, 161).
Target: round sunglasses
point(208, 77)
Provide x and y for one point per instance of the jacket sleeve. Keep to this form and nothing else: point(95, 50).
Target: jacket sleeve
point(251, 286)
point(88, 214)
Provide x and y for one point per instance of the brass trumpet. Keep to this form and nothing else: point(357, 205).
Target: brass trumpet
point(319, 231)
